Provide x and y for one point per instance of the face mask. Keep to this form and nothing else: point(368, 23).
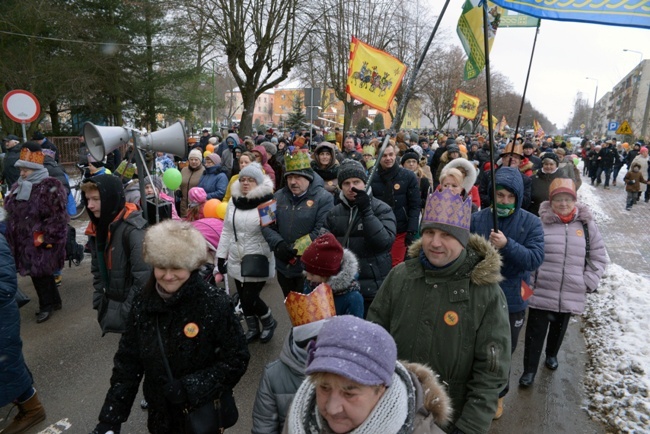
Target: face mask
point(504, 210)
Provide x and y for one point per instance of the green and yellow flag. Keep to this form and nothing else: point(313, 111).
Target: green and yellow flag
point(470, 32)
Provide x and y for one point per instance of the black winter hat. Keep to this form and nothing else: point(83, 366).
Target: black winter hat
point(453, 148)
point(351, 169)
point(410, 155)
point(551, 155)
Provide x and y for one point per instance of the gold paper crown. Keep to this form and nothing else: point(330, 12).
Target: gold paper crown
point(36, 157)
point(330, 137)
point(308, 308)
point(447, 208)
point(512, 148)
point(369, 150)
point(297, 161)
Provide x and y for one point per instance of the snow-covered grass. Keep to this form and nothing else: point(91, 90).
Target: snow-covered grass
point(617, 333)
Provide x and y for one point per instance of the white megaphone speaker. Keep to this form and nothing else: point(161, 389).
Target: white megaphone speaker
point(171, 140)
point(104, 140)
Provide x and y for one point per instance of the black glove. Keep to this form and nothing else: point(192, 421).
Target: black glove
point(103, 428)
point(284, 252)
point(457, 431)
point(222, 267)
point(175, 392)
point(408, 239)
point(362, 200)
point(632, 181)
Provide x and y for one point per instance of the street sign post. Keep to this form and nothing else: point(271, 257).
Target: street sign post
point(22, 107)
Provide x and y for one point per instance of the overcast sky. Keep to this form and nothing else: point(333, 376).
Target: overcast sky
point(566, 53)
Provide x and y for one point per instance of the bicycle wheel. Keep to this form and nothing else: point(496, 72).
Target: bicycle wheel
point(80, 207)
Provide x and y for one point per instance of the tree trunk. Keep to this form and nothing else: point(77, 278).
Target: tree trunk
point(248, 99)
point(54, 116)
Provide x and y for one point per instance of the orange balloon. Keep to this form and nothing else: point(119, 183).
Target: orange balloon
point(210, 208)
point(222, 209)
point(210, 147)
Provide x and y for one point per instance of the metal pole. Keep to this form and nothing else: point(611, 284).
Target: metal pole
point(24, 134)
point(212, 107)
point(530, 64)
point(486, 48)
point(593, 115)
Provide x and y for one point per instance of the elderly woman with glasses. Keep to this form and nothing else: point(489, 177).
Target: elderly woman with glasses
point(574, 261)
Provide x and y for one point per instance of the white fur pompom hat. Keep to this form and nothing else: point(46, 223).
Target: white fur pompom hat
point(174, 244)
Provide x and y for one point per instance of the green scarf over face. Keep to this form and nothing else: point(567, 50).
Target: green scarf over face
point(505, 210)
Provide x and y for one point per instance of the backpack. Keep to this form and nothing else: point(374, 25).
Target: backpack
point(74, 252)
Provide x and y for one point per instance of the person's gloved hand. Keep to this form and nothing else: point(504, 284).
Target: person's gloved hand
point(408, 239)
point(175, 392)
point(632, 181)
point(362, 200)
point(222, 267)
point(104, 428)
point(284, 252)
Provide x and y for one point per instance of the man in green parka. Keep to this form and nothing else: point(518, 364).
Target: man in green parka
point(444, 308)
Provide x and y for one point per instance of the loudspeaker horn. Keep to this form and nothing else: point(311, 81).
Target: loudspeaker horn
point(171, 140)
point(104, 140)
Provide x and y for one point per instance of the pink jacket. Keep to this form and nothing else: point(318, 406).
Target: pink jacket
point(563, 280)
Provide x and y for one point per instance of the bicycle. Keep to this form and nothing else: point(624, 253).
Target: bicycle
point(75, 189)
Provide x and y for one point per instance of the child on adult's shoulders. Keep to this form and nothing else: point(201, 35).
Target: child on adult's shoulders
point(326, 261)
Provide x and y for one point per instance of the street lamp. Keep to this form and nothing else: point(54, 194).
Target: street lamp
point(637, 52)
point(593, 113)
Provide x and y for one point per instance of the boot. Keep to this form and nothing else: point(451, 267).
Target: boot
point(551, 363)
point(499, 412)
point(253, 329)
point(527, 379)
point(268, 326)
point(29, 414)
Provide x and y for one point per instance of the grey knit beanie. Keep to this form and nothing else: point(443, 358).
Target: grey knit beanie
point(351, 169)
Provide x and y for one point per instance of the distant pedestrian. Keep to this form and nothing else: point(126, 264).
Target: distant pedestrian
point(633, 181)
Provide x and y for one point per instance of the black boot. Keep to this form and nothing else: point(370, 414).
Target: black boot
point(551, 363)
point(253, 329)
point(527, 379)
point(268, 326)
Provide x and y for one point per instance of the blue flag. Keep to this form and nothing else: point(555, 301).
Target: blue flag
point(626, 13)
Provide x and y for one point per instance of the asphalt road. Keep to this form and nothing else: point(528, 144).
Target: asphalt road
point(72, 363)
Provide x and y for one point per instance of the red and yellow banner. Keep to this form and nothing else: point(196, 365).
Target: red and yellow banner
point(374, 75)
point(537, 127)
point(484, 122)
point(465, 105)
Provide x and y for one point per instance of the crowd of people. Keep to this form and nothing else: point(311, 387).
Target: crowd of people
point(406, 252)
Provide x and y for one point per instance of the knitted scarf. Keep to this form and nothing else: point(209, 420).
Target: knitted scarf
point(24, 189)
point(393, 414)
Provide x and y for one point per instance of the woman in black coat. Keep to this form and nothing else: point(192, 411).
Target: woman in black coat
point(203, 341)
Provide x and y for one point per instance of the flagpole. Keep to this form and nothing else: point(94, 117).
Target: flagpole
point(486, 47)
point(407, 91)
point(523, 97)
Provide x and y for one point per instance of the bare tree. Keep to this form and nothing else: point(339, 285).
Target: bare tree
point(443, 79)
point(262, 41)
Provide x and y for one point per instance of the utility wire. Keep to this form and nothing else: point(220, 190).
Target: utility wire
point(77, 41)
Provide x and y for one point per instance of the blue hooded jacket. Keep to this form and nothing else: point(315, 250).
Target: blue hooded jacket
point(524, 251)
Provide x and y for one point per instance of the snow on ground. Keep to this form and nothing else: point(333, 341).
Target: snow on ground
point(617, 333)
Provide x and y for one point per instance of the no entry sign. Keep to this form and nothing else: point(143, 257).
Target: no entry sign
point(21, 106)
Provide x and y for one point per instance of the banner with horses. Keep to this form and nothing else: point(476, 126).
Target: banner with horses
point(465, 105)
point(373, 76)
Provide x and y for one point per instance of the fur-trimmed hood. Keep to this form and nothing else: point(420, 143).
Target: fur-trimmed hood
point(444, 158)
point(348, 273)
point(469, 169)
point(258, 192)
point(434, 397)
point(548, 216)
point(487, 271)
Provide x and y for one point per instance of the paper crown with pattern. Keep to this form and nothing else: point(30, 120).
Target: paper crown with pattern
point(308, 308)
point(31, 159)
point(446, 208)
point(369, 150)
point(297, 161)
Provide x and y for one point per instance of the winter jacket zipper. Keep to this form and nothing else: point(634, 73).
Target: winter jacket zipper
point(566, 245)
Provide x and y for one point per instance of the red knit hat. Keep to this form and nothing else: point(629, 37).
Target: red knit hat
point(323, 256)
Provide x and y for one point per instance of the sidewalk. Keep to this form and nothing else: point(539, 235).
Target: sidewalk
point(625, 232)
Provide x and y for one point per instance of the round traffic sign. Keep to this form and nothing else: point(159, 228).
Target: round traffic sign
point(582, 126)
point(21, 106)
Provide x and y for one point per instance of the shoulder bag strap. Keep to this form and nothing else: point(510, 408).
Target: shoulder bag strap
point(162, 352)
point(234, 229)
point(587, 247)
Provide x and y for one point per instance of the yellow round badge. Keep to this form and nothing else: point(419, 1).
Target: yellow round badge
point(330, 182)
point(310, 203)
point(579, 232)
point(191, 330)
point(396, 186)
point(451, 318)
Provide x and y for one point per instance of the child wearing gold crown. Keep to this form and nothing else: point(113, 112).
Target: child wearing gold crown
point(326, 261)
